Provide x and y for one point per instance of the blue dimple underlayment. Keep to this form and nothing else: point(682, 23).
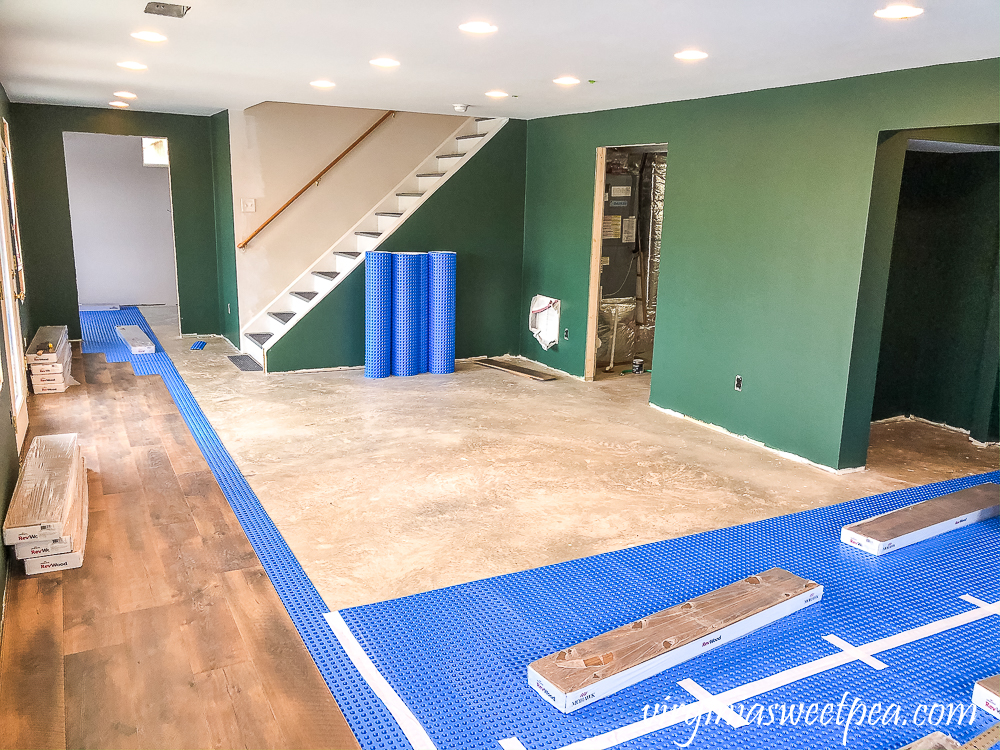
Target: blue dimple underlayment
point(457, 656)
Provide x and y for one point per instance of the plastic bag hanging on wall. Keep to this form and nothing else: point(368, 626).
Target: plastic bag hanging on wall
point(543, 320)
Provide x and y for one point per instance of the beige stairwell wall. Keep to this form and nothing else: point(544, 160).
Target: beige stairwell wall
point(276, 147)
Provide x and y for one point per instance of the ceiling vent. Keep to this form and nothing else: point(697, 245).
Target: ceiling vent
point(167, 9)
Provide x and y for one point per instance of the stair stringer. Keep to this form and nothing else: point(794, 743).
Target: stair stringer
point(352, 243)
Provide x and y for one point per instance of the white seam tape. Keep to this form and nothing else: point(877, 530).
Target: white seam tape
point(753, 689)
point(854, 651)
point(412, 729)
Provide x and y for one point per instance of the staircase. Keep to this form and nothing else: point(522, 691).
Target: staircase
point(265, 328)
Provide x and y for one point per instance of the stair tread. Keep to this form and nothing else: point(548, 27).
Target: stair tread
point(484, 119)
point(389, 213)
point(259, 338)
point(331, 275)
point(450, 156)
point(307, 296)
point(347, 254)
point(470, 136)
point(368, 234)
point(282, 317)
point(409, 195)
point(431, 174)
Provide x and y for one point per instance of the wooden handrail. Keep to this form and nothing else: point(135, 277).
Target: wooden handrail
point(316, 179)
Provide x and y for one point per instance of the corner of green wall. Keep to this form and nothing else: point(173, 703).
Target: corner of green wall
point(225, 237)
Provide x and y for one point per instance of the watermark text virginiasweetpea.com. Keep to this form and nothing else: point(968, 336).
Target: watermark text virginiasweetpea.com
point(850, 712)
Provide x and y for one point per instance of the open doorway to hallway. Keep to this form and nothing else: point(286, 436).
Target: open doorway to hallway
point(625, 262)
point(937, 386)
point(122, 220)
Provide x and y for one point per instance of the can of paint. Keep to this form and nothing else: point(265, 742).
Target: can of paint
point(638, 366)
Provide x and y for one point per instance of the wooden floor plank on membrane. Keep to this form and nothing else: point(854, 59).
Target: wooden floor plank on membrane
point(171, 634)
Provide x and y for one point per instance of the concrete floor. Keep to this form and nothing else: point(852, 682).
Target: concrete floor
point(391, 487)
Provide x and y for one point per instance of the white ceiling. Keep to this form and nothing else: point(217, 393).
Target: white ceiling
point(236, 53)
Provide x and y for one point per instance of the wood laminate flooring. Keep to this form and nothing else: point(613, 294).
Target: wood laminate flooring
point(170, 635)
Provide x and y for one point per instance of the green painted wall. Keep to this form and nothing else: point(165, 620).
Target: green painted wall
point(765, 217)
point(942, 278)
point(479, 214)
point(46, 234)
point(225, 238)
point(8, 440)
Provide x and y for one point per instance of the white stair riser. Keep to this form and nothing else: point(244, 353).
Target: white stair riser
point(447, 162)
point(385, 223)
point(407, 202)
point(426, 183)
point(364, 244)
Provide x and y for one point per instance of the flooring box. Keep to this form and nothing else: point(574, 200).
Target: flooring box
point(577, 676)
point(50, 387)
point(43, 498)
point(915, 523)
point(45, 346)
point(64, 357)
point(77, 527)
point(138, 342)
point(986, 695)
point(55, 378)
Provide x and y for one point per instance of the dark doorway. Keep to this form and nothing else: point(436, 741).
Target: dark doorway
point(938, 359)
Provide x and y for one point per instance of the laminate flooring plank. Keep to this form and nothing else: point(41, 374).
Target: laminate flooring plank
point(158, 398)
point(90, 604)
point(32, 702)
point(303, 706)
point(163, 494)
point(116, 464)
point(253, 724)
point(140, 580)
point(95, 369)
point(169, 710)
point(101, 710)
point(184, 454)
point(95, 488)
point(220, 530)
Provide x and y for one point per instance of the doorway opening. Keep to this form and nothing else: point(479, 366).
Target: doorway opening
point(938, 376)
point(122, 219)
point(12, 291)
point(625, 261)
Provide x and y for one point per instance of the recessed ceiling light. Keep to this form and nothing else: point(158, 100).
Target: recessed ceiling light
point(478, 27)
point(898, 12)
point(691, 54)
point(148, 36)
point(497, 94)
point(131, 65)
point(125, 95)
point(322, 84)
point(119, 105)
point(566, 81)
point(384, 62)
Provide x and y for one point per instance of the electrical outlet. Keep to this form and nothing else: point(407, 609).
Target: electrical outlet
point(248, 205)
point(739, 382)
point(566, 334)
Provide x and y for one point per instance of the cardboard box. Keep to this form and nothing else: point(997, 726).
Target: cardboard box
point(55, 378)
point(50, 387)
point(43, 498)
point(915, 523)
point(64, 358)
point(45, 346)
point(577, 676)
point(77, 527)
point(138, 342)
point(986, 695)
point(26, 550)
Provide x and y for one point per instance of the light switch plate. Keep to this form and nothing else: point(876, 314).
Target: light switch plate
point(248, 205)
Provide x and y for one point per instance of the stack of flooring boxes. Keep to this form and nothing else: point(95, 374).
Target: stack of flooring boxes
point(46, 522)
point(49, 357)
